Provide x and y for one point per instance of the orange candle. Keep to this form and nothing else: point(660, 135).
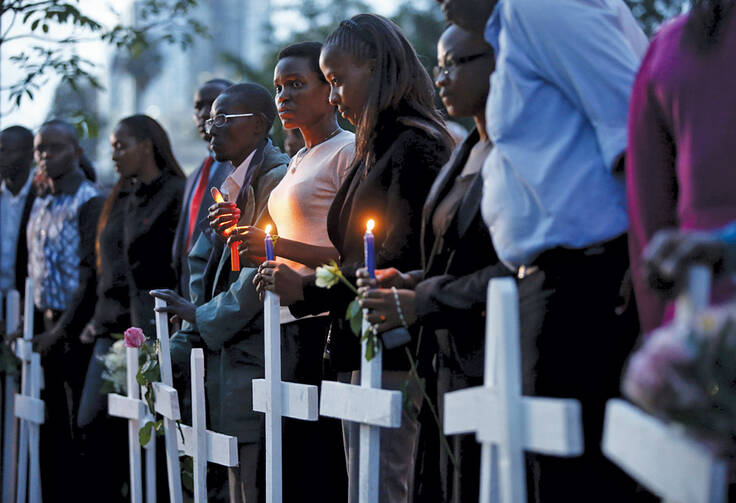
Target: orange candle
point(234, 255)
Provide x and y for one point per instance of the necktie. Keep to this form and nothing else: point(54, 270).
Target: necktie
point(204, 178)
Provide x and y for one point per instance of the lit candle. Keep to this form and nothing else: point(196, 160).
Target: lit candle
point(234, 254)
point(370, 259)
point(269, 243)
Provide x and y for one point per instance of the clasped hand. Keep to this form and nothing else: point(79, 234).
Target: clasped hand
point(378, 298)
point(670, 254)
point(252, 245)
point(281, 279)
point(222, 217)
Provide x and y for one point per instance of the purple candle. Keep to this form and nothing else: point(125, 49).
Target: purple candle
point(269, 243)
point(370, 259)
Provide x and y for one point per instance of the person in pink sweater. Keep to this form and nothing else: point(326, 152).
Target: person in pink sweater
point(681, 145)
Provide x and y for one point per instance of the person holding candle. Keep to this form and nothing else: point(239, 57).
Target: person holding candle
point(555, 202)
point(220, 315)
point(298, 208)
point(447, 296)
point(379, 85)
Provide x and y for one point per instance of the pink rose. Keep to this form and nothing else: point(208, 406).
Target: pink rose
point(134, 337)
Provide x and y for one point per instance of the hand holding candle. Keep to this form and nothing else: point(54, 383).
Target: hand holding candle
point(234, 254)
point(394, 337)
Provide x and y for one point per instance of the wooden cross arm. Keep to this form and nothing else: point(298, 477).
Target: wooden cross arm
point(128, 408)
point(298, 401)
point(221, 449)
point(373, 406)
point(551, 426)
point(660, 457)
point(166, 401)
point(30, 409)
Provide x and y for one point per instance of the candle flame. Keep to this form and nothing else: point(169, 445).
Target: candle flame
point(217, 196)
point(268, 229)
point(369, 225)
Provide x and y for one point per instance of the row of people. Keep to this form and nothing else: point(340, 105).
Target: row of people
point(536, 191)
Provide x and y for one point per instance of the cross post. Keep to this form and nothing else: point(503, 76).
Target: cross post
point(659, 455)
point(135, 410)
point(29, 408)
point(370, 406)
point(166, 403)
point(278, 399)
point(198, 442)
point(505, 422)
point(10, 423)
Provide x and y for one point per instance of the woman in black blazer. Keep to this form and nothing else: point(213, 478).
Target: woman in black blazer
point(133, 254)
point(379, 85)
point(446, 297)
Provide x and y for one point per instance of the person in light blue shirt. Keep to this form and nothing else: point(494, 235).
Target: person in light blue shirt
point(557, 117)
point(555, 203)
point(16, 201)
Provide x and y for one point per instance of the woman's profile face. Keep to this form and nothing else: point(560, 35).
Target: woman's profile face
point(128, 154)
point(349, 79)
point(301, 96)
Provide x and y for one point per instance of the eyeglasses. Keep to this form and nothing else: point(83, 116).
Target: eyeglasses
point(220, 120)
point(454, 63)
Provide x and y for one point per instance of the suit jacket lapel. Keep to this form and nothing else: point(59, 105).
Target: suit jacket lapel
point(441, 184)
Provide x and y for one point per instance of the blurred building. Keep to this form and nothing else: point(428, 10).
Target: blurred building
point(162, 81)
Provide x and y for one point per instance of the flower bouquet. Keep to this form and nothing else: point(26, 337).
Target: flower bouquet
point(686, 373)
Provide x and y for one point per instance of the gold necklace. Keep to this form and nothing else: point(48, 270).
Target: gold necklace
point(299, 157)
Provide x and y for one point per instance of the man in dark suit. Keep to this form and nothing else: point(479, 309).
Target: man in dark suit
point(16, 201)
point(197, 197)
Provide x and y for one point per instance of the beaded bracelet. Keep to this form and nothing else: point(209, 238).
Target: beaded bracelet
point(398, 307)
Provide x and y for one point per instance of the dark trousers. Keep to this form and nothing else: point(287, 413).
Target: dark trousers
point(61, 445)
point(313, 455)
point(574, 345)
point(459, 482)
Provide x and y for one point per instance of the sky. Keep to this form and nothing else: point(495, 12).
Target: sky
point(32, 112)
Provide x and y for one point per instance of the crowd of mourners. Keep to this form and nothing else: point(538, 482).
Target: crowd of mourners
point(589, 139)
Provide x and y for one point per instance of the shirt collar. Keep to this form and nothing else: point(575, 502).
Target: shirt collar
point(234, 182)
point(23, 191)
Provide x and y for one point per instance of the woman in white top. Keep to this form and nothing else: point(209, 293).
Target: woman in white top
point(299, 204)
point(298, 207)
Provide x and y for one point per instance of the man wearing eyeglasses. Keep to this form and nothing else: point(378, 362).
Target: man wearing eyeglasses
point(555, 203)
point(225, 316)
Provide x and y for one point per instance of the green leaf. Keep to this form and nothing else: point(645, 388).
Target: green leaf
point(353, 310)
point(370, 351)
point(144, 434)
point(117, 337)
point(356, 323)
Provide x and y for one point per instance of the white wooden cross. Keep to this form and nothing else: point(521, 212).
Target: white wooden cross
point(504, 421)
point(277, 398)
point(135, 410)
point(659, 455)
point(29, 408)
point(370, 406)
point(166, 403)
point(201, 444)
point(10, 423)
